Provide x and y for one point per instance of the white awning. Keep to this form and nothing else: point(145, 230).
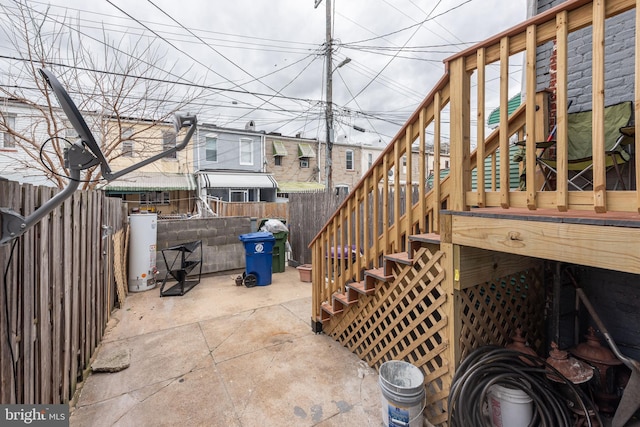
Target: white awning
point(237, 180)
point(138, 181)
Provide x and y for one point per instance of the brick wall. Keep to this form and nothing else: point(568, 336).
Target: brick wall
point(221, 248)
point(619, 61)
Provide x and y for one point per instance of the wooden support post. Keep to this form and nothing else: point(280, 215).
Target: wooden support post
point(530, 158)
point(460, 129)
point(599, 170)
point(562, 34)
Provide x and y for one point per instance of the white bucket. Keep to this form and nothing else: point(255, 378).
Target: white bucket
point(509, 407)
point(403, 395)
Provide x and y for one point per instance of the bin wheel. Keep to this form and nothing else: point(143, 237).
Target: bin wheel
point(250, 280)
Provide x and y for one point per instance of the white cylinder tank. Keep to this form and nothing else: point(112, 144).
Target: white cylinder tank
point(143, 240)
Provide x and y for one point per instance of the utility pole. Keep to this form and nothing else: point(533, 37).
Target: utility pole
point(328, 168)
point(329, 99)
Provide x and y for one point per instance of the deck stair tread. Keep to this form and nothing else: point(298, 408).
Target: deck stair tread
point(330, 309)
point(425, 238)
point(400, 257)
point(417, 241)
point(378, 273)
point(397, 258)
point(374, 276)
point(345, 299)
point(359, 287)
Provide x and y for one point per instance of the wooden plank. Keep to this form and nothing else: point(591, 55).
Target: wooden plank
point(459, 132)
point(76, 306)
point(67, 307)
point(423, 171)
point(385, 204)
point(530, 157)
point(396, 196)
point(28, 296)
point(599, 169)
point(479, 265)
point(93, 227)
point(84, 282)
point(10, 195)
point(505, 172)
point(437, 141)
point(44, 303)
point(57, 312)
point(408, 142)
point(592, 245)
point(365, 218)
point(375, 232)
point(562, 105)
point(480, 130)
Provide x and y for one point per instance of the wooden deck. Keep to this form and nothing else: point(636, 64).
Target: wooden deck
point(578, 237)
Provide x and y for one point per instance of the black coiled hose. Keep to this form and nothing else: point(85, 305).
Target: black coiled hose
point(491, 365)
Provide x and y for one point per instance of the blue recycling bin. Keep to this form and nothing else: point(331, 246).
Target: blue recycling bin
point(258, 258)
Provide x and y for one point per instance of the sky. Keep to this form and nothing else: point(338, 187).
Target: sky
point(264, 61)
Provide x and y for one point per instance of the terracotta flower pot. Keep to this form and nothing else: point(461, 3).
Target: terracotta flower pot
point(305, 272)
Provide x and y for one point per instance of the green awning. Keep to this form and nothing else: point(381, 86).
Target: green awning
point(494, 117)
point(299, 187)
point(279, 149)
point(305, 150)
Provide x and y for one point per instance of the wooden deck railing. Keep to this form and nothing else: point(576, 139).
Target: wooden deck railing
point(372, 222)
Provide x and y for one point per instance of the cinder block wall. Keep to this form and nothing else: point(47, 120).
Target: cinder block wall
point(222, 250)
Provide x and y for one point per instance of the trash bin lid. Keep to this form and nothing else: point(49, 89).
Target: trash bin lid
point(260, 236)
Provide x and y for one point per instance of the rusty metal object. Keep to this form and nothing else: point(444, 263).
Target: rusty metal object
point(593, 351)
point(571, 368)
point(519, 343)
point(630, 401)
point(605, 362)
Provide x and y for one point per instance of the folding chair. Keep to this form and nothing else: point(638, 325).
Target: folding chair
point(580, 156)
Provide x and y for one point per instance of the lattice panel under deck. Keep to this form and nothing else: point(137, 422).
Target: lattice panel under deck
point(492, 311)
point(404, 320)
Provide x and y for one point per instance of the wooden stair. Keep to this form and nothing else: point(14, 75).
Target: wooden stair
point(340, 301)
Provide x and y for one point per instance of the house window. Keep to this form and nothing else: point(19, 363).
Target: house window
point(304, 163)
point(446, 164)
point(277, 160)
point(154, 198)
point(127, 142)
point(169, 142)
point(246, 151)
point(404, 165)
point(369, 160)
point(8, 140)
point(211, 148)
point(349, 158)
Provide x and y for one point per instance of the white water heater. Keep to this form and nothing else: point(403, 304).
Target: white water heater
point(143, 241)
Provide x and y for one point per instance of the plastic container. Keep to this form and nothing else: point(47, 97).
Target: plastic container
point(279, 251)
point(258, 255)
point(403, 394)
point(509, 407)
point(279, 246)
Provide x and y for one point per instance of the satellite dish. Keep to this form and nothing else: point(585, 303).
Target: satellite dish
point(76, 119)
point(13, 224)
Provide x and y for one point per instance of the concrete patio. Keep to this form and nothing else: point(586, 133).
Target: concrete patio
point(226, 355)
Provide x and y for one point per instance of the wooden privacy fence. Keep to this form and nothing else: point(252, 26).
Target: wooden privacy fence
point(309, 211)
point(251, 209)
point(57, 293)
